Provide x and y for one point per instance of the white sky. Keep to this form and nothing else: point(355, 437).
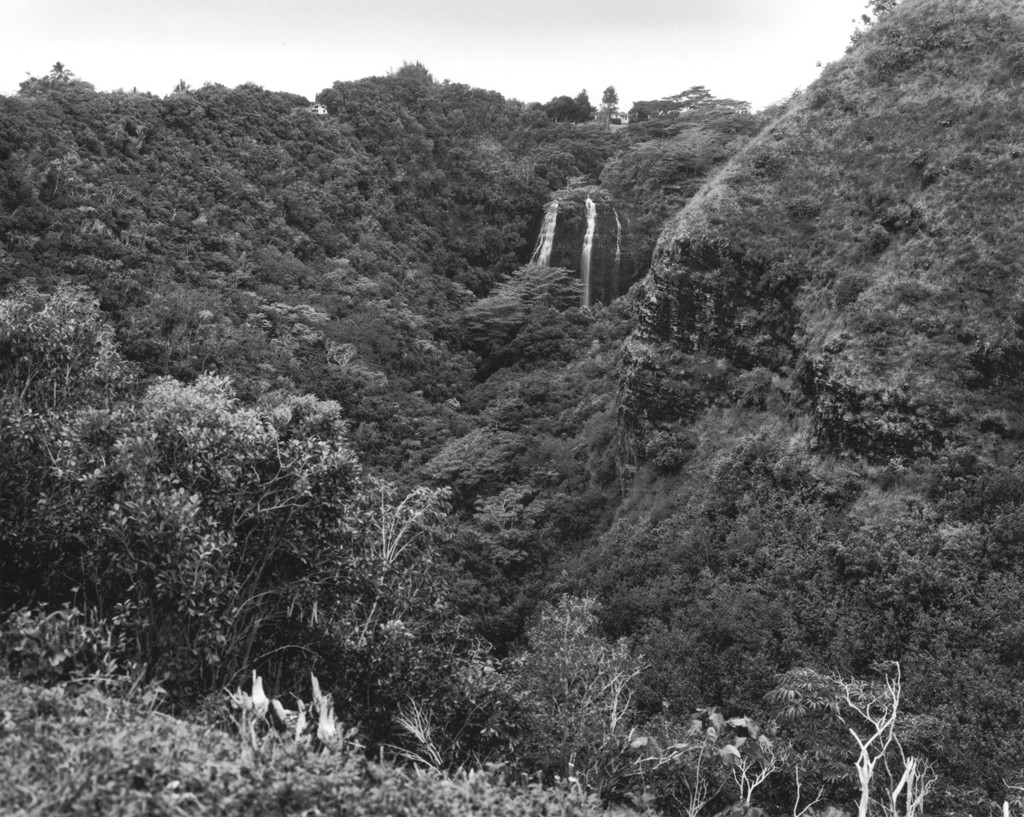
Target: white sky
point(532, 50)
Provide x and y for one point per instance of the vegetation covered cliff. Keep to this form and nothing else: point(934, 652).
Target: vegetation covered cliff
point(822, 396)
point(283, 392)
point(865, 246)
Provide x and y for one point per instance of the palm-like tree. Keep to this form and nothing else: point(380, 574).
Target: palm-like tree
point(60, 74)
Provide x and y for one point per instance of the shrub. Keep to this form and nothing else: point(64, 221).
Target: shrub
point(78, 752)
point(213, 536)
point(58, 646)
point(577, 690)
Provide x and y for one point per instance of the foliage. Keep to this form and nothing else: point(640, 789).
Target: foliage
point(807, 454)
point(55, 350)
point(226, 233)
point(672, 149)
point(689, 767)
point(198, 524)
point(568, 109)
point(210, 536)
point(493, 324)
point(57, 355)
point(871, 713)
point(48, 648)
point(577, 690)
point(780, 559)
point(229, 230)
point(69, 752)
point(874, 518)
point(876, 10)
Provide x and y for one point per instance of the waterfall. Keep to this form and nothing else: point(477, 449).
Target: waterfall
point(618, 242)
point(588, 246)
point(546, 240)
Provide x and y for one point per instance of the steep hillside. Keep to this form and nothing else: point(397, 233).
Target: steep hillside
point(822, 398)
point(866, 247)
point(799, 457)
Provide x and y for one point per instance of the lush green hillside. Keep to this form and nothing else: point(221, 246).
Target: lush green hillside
point(822, 399)
point(354, 256)
point(277, 393)
point(871, 237)
point(285, 395)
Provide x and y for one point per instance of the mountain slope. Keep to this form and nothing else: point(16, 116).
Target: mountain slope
point(866, 247)
point(821, 400)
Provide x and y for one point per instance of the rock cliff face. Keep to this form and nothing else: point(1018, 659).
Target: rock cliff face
point(862, 255)
point(611, 264)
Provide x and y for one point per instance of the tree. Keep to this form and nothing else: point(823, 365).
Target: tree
point(415, 71)
point(711, 751)
point(565, 109)
point(585, 109)
point(609, 104)
point(492, 323)
point(695, 98)
point(60, 74)
point(212, 533)
point(871, 714)
point(54, 349)
point(59, 77)
point(876, 10)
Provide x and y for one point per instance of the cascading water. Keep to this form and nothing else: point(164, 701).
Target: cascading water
point(588, 246)
point(618, 243)
point(546, 240)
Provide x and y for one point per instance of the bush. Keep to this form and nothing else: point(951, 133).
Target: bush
point(577, 690)
point(214, 536)
point(66, 752)
point(58, 646)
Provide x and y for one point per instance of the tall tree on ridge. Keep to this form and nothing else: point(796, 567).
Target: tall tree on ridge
point(584, 108)
point(60, 74)
point(609, 104)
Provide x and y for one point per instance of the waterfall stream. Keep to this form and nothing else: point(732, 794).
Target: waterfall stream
point(546, 239)
point(618, 243)
point(588, 246)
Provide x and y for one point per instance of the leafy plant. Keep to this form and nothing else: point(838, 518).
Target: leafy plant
point(61, 645)
point(870, 712)
point(67, 750)
point(577, 690)
point(712, 755)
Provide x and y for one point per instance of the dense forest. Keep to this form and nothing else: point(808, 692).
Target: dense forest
point(324, 490)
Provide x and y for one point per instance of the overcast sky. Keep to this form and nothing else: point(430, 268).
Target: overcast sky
point(532, 50)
